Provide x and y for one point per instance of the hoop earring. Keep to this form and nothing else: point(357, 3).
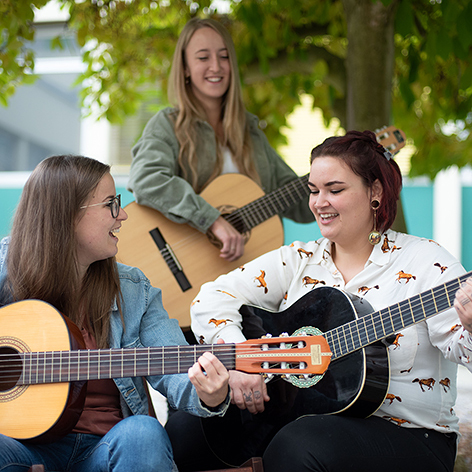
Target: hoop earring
point(374, 235)
point(187, 79)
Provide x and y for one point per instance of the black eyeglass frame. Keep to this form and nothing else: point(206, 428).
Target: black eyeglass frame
point(114, 204)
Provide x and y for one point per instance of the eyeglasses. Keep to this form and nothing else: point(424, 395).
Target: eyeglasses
point(114, 204)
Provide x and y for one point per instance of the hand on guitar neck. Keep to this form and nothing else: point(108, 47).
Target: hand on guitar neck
point(210, 379)
point(229, 239)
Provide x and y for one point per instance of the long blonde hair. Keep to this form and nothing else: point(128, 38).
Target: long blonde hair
point(233, 113)
point(42, 262)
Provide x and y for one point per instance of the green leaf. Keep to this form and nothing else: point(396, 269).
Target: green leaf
point(404, 19)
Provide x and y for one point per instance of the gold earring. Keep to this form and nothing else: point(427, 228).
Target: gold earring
point(374, 235)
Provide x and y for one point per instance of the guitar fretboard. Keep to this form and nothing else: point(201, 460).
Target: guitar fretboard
point(381, 324)
point(71, 366)
point(273, 203)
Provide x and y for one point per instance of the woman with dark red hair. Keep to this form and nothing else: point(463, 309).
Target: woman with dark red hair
point(355, 185)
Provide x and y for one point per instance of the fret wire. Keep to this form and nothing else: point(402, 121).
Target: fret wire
point(45, 365)
point(356, 336)
point(363, 331)
point(52, 367)
point(277, 203)
point(378, 327)
point(369, 328)
point(351, 336)
point(30, 364)
point(162, 349)
point(60, 367)
point(259, 211)
point(248, 217)
point(345, 338)
point(374, 327)
point(337, 340)
point(267, 203)
point(447, 295)
point(423, 308)
point(383, 325)
point(98, 366)
point(391, 320)
point(332, 344)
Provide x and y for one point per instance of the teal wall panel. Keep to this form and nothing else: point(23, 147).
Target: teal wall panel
point(9, 198)
point(467, 227)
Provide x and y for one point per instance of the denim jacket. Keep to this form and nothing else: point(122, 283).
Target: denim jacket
point(147, 324)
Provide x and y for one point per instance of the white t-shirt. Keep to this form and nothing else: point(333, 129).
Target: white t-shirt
point(229, 167)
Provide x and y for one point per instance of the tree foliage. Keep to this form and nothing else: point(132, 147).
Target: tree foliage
point(365, 62)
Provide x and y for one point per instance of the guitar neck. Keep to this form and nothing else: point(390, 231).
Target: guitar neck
point(280, 200)
point(381, 324)
point(273, 203)
point(81, 365)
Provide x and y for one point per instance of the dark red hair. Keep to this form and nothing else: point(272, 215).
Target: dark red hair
point(367, 159)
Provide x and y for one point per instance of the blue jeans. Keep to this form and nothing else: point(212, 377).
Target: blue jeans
point(136, 444)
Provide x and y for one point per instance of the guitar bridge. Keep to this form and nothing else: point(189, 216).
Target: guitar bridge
point(170, 259)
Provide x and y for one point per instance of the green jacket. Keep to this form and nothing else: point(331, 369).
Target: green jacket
point(156, 179)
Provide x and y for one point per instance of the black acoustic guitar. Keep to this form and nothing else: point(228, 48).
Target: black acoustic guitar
point(357, 378)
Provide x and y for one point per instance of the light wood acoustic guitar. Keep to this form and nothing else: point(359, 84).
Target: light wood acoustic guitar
point(179, 259)
point(44, 367)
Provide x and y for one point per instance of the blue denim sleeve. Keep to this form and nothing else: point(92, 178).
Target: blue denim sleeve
point(148, 324)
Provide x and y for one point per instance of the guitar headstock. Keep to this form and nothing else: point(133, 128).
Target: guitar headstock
point(284, 355)
point(391, 138)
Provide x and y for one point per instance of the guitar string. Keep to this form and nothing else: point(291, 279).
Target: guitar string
point(371, 324)
point(129, 360)
point(377, 322)
point(247, 212)
point(270, 204)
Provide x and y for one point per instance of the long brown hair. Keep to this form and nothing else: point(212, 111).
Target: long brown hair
point(42, 261)
point(189, 110)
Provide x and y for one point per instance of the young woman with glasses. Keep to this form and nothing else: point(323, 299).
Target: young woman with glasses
point(62, 251)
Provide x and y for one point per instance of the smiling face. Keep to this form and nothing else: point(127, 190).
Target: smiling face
point(208, 65)
point(341, 202)
point(96, 228)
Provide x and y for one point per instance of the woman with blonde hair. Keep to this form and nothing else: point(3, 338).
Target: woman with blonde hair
point(206, 134)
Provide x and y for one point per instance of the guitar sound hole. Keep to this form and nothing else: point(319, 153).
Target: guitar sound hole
point(11, 368)
point(237, 222)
